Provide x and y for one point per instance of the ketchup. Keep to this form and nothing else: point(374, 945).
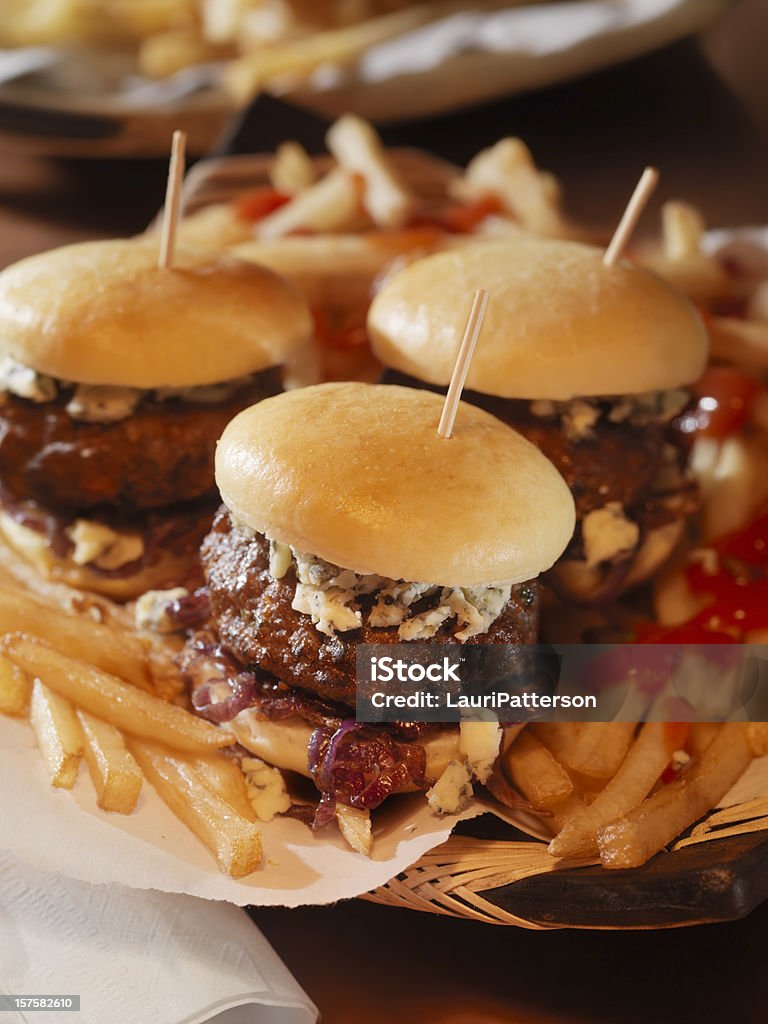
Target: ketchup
point(259, 202)
point(725, 399)
point(734, 573)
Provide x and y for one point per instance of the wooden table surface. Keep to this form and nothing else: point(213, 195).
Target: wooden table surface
point(362, 962)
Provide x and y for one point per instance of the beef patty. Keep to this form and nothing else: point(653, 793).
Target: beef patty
point(618, 462)
point(161, 454)
point(256, 622)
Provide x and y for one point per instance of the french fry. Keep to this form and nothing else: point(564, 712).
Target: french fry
point(743, 342)
point(702, 734)
point(97, 644)
point(600, 748)
point(165, 53)
point(332, 204)
point(292, 170)
point(635, 778)
point(560, 738)
point(317, 256)
point(536, 773)
point(247, 76)
point(234, 841)
point(563, 812)
point(225, 778)
point(15, 689)
point(634, 839)
point(106, 697)
point(507, 170)
point(358, 148)
point(116, 777)
point(758, 738)
point(58, 735)
point(682, 227)
point(355, 825)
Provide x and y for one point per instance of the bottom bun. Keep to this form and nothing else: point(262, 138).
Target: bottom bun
point(34, 547)
point(285, 744)
point(576, 581)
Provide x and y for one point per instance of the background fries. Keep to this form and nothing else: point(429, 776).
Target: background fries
point(108, 698)
point(58, 735)
point(115, 775)
point(234, 841)
point(357, 147)
point(332, 204)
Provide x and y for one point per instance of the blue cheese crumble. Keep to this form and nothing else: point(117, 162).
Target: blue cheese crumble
point(330, 596)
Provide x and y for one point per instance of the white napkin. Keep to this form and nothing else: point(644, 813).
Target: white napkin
point(137, 956)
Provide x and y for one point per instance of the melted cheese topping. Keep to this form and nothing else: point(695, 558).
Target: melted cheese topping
point(330, 595)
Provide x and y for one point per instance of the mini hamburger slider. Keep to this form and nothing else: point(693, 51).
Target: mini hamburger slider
point(116, 379)
point(589, 362)
point(348, 520)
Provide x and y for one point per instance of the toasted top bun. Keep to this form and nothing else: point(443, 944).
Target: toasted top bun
point(559, 323)
point(357, 474)
point(103, 313)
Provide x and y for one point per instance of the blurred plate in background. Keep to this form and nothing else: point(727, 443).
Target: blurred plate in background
point(91, 102)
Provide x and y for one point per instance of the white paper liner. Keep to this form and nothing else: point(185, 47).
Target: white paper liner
point(58, 830)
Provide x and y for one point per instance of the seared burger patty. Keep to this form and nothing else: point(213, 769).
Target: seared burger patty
point(256, 622)
point(616, 462)
point(160, 454)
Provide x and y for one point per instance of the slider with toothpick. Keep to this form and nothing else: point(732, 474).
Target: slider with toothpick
point(349, 519)
point(121, 362)
point(587, 355)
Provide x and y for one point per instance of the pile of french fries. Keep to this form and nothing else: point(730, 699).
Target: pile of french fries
point(96, 691)
point(600, 785)
point(264, 41)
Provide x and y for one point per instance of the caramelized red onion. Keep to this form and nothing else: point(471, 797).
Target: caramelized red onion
point(360, 766)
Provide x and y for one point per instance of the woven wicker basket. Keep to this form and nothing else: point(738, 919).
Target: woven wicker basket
point(459, 878)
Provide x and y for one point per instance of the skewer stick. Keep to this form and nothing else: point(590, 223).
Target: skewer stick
point(463, 359)
point(172, 207)
point(648, 181)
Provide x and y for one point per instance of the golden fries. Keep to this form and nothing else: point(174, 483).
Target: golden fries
point(758, 738)
point(100, 645)
point(106, 697)
point(599, 748)
point(355, 825)
point(536, 773)
point(116, 777)
point(234, 841)
point(507, 171)
point(292, 170)
point(58, 735)
point(358, 148)
point(225, 778)
point(332, 204)
point(298, 58)
point(633, 840)
point(15, 689)
point(638, 774)
point(558, 737)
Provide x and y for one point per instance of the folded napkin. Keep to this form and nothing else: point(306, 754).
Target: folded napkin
point(137, 956)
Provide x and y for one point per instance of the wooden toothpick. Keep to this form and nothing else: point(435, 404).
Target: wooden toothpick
point(648, 181)
point(463, 359)
point(172, 207)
